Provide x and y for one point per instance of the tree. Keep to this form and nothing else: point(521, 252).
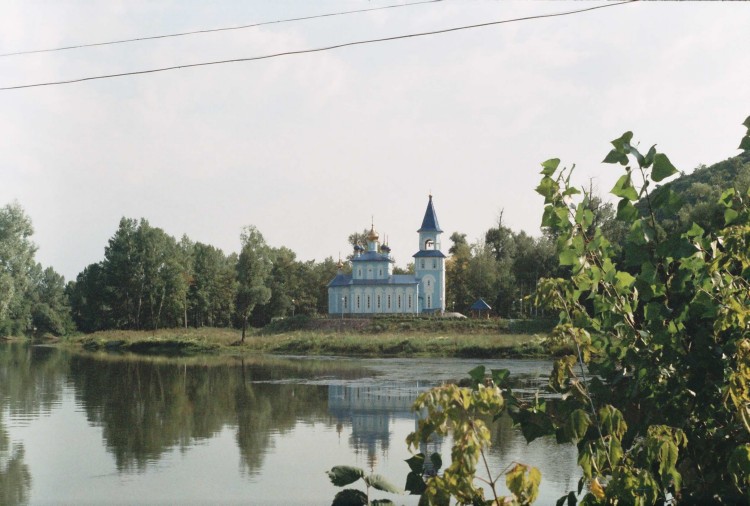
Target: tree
point(458, 293)
point(50, 308)
point(253, 269)
point(213, 288)
point(663, 333)
point(16, 263)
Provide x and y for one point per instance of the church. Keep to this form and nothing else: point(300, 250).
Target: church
point(372, 288)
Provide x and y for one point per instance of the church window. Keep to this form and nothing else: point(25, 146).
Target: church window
point(389, 301)
point(429, 301)
point(378, 299)
point(359, 272)
point(358, 302)
point(380, 272)
point(421, 264)
point(434, 263)
point(409, 301)
point(368, 302)
point(428, 283)
point(346, 301)
point(399, 302)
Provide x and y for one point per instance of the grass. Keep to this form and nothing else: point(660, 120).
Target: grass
point(375, 337)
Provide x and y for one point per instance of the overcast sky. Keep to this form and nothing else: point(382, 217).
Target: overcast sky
point(308, 148)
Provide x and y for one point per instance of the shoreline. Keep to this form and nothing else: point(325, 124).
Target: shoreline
point(352, 343)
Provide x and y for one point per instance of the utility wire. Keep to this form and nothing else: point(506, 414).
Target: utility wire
point(211, 30)
point(316, 50)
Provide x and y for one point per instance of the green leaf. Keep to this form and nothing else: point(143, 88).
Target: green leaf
point(437, 461)
point(730, 215)
point(499, 376)
point(416, 463)
point(663, 168)
point(649, 159)
point(550, 166)
point(477, 374)
point(568, 257)
point(626, 211)
point(624, 188)
point(342, 476)
point(415, 485)
point(547, 188)
point(350, 497)
point(578, 424)
point(379, 482)
point(615, 156)
point(623, 143)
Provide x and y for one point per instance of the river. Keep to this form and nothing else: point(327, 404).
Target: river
point(112, 429)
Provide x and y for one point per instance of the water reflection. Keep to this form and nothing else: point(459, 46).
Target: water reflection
point(148, 415)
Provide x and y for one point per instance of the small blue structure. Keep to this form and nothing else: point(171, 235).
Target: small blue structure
point(479, 306)
point(372, 288)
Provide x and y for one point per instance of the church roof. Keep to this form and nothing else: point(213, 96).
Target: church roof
point(371, 256)
point(394, 279)
point(429, 253)
point(430, 221)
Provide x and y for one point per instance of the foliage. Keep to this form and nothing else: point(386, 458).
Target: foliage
point(253, 270)
point(464, 412)
point(32, 298)
point(663, 409)
point(342, 476)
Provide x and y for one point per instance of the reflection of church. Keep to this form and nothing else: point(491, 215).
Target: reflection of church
point(370, 410)
point(371, 288)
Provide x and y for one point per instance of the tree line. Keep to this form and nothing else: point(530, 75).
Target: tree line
point(150, 280)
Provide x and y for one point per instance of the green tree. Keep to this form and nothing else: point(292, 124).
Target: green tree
point(213, 288)
point(16, 263)
point(88, 297)
point(50, 307)
point(253, 270)
point(663, 334)
point(458, 293)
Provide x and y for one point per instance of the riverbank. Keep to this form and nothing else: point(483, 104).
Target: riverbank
point(361, 338)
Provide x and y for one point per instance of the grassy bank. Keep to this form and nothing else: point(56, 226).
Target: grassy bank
point(377, 337)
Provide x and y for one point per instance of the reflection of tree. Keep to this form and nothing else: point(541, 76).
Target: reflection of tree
point(15, 478)
point(31, 378)
point(30, 382)
point(146, 407)
point(264, 409)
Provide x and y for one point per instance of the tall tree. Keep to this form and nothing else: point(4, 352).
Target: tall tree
point(458, 293)
point(253, 269)
point(16, 263)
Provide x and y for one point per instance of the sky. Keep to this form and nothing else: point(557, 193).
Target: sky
point(311, 148)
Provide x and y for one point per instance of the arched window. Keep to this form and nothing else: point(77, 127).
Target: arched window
point(429, 301)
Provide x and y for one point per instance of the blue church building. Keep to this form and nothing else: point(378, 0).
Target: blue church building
point(372, 288)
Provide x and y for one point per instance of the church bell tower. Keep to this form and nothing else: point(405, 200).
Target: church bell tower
point(429, 264)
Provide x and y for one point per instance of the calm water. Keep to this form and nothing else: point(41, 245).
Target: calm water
point(104, 429)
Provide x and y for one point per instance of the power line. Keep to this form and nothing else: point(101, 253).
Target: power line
point(211, 30)
point(316, 50)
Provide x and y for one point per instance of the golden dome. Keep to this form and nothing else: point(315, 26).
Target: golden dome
point(373, 236)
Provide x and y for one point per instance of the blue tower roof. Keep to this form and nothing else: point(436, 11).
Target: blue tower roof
point(430, 221)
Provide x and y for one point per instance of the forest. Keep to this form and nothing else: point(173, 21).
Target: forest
point(149, 279)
